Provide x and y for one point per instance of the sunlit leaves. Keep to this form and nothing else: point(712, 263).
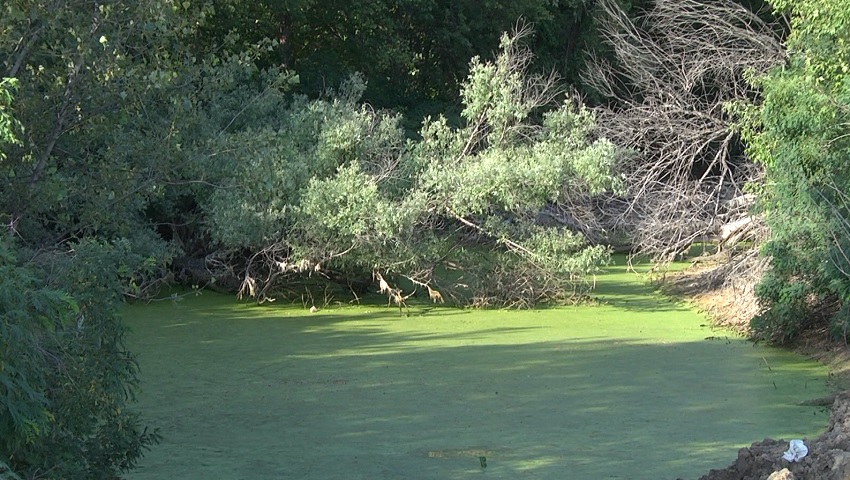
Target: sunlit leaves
point(265, 169)
point(820, 39)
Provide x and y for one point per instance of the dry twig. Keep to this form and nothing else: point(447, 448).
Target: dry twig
point(678, 67)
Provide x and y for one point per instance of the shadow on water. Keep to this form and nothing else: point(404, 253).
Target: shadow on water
point(630, 291)
point(267, 393)
point(624, 295)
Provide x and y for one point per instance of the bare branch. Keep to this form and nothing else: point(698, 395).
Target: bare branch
point(678, 66)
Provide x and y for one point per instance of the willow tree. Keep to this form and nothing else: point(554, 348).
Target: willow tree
point(456, 210)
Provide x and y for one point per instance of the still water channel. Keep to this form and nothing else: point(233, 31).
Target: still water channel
point(634, 388)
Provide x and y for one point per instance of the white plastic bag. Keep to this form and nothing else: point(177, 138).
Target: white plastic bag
point(796, 451)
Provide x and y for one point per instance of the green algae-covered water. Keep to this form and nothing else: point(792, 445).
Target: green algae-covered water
point(635, 388)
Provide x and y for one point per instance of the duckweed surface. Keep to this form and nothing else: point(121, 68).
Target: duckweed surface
point(634, 388)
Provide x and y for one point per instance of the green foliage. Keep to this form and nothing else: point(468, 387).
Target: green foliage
point(524, 175)
point(334, 185)
point(265, 168)
point(6, 472)
point(8, 124)
point(81, 74)
point(414, 53)
point(566, 253)
point(502, 159)
point(81, 70)
point(839, 325)
point(28, 313)
point(799, 133)
point(65, 377)
point(818, 40)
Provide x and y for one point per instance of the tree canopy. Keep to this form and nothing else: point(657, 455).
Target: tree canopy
point(414, 53)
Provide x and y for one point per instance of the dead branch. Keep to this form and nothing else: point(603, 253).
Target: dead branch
point(508, 243)
point(677, 68)
point(435, 295)
point(384, 287)
point(394, 295)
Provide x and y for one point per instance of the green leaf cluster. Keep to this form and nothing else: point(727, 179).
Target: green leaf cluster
point(66, 379)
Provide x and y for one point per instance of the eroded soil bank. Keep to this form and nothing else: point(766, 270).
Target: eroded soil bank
point(828, 455)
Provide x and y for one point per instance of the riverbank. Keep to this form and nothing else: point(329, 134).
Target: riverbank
point(827, 456)
point(731, 305)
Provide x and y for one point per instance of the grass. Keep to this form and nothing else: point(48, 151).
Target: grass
point(635, 387)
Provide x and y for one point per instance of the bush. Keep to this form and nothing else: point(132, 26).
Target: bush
point(65, 377)
point(799, 134)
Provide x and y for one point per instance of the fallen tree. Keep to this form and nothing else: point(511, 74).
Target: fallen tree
point(337, 191)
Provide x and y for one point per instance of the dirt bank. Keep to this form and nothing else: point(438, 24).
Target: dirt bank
point(731, 305)
point(828, 457)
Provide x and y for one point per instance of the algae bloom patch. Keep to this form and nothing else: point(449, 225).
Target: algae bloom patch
point(277, 392)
